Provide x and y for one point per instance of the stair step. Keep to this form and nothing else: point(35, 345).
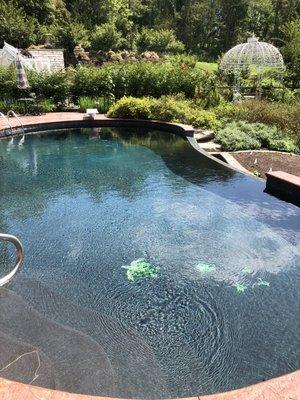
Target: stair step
point(25, 363)
point(80, 364)
point(135, 368)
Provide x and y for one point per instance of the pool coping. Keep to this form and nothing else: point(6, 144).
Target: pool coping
point(286, 387)
point(64, 120)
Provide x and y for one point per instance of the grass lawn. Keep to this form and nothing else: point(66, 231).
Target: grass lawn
point(211, 67)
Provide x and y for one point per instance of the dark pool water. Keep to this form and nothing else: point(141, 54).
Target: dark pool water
point(223, 310)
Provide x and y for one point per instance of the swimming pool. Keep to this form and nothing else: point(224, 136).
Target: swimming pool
point(151, 271)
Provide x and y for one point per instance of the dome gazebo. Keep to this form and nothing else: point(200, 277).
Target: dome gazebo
point(253, 53)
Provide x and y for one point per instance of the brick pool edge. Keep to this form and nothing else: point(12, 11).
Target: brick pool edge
point(286, 387)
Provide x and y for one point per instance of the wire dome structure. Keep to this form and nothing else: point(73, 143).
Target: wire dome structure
point(252, 53)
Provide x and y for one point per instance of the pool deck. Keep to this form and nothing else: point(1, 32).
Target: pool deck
point(283, 388)
point(68, 119)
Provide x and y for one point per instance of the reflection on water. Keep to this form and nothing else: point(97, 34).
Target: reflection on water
point(219, 312)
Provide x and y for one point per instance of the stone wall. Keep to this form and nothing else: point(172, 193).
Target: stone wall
point(56, 57)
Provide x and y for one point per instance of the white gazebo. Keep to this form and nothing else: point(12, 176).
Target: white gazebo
point(252, 54)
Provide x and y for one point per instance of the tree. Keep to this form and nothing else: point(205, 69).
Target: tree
point(106, 37)
point(291, 49)
point(159, 40)
point(259, 19)
point(199, 27)
point(15, 27)
point(232, 13)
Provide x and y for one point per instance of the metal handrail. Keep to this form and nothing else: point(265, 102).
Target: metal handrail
point(15, 116)
point(20, 256)
point(7, 120)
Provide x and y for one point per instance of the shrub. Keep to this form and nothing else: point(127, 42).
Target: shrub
point(182, 60)
point(142, 79)
point(167, 108)
point(8, 83)
point(242, 135)
point(93, 82)
point(286, 117)
point(132, 108)
point(204, 119)
point(68, 35)
point(47, 105)
point(101, 103)
point(19, 106)
point(233, 137)
point(159, 40)
point(106, 37)
point(55, 86)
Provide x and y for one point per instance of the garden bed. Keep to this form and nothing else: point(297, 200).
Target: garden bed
point(260, 162)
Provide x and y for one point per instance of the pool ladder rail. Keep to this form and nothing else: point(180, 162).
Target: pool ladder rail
point(20, 256)
point(7, 121)
point(12, 113)
point(6, 118)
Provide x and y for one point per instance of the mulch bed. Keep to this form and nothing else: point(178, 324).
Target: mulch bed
point(259, 162)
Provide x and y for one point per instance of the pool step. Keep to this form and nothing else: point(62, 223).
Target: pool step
point(131, 365)
point(77, 362)
point(24, 362)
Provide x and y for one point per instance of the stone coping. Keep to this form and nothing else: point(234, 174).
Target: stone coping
point(286, 387)
point(285, 177)
point(285, 186)
point(70, 119)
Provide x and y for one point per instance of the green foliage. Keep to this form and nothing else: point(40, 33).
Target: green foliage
point(140, 269)
point(242, 135)
point(16, 27)
point(234, 137)
point(101, 103)
point(70, 35)
point(132, 108)
point(206, 28)
point(89, 81)
point(182, 60)
point(240, 287)
point(54, 86)
point(203, 119)
point(8, 81)
point(167, 108)
point(291, 49)
point(286, 117)
point(162, 41)
point(47, 105)
point(19, 106)
point(205, 268)
point(144, 79)
point(106, 37)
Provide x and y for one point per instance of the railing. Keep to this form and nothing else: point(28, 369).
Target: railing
point(7, 121)
point(11, 112)
point(20, 256)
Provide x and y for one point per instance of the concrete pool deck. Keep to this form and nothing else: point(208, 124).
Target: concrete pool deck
point(286, 387)
point(61, 120)
point(283, 388)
